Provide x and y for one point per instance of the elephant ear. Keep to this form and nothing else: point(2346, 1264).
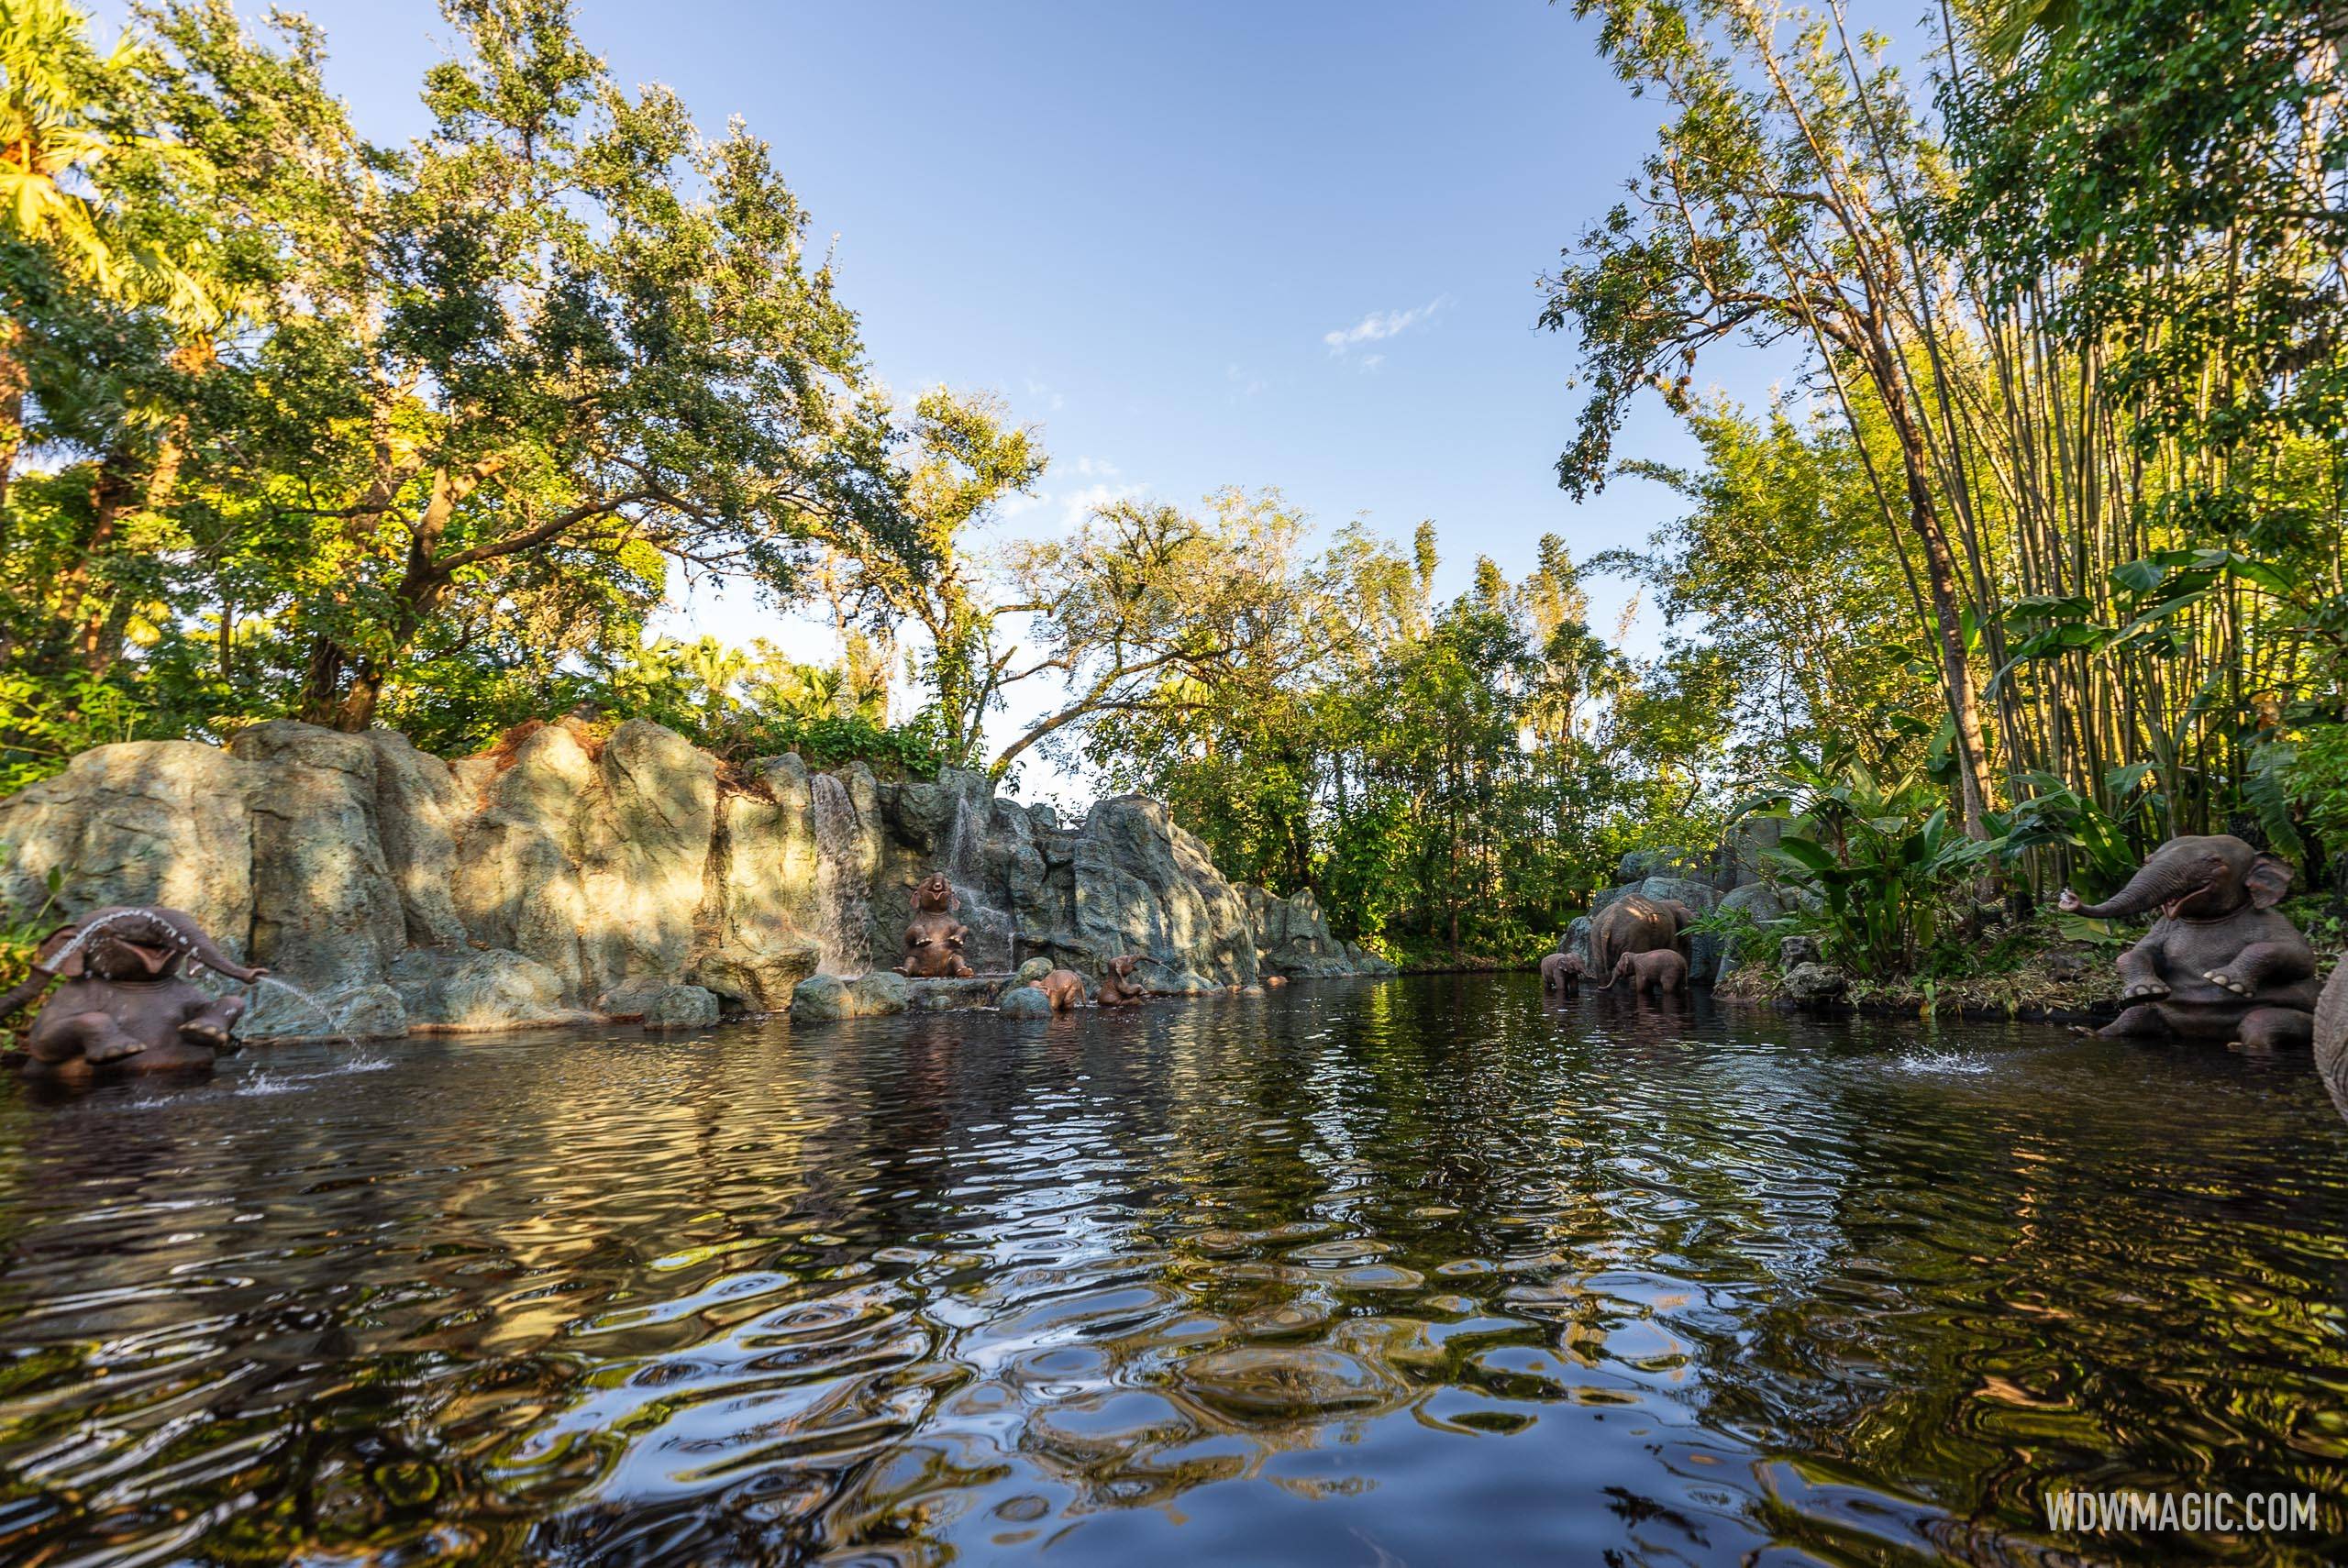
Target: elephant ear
point(62, 936)
point(2270, 879)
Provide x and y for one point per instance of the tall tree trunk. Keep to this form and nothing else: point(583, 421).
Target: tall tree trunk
point(1940, 578)
point(14, 383)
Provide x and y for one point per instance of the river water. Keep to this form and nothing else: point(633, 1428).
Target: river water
point(1419, 1271)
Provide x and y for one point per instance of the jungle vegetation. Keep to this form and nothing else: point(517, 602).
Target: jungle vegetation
point(2034, 560)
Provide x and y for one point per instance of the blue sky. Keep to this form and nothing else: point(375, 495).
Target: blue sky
point(1291, 244)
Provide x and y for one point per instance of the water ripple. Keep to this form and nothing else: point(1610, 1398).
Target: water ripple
point(1418, 1272)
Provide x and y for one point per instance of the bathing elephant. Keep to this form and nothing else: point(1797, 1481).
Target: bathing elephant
point(1064, 989)
point(2332, 1035)
point(1661, 970)
point(934, 937)
point(124, 1006)
point(2220, 962)
point(1635, 923)
point(1118, 986)
point(1562, 972)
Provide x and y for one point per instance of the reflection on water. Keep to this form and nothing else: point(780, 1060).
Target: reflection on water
point(1422, 1272)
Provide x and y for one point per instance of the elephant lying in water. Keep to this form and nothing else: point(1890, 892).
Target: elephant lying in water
point(2220, 962)
point(124, 1006)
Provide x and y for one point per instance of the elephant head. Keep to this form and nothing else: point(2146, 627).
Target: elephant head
point(2195, 879)
point(134, 945)
point(935, 895)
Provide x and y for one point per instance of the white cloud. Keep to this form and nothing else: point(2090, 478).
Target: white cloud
point(1380, 324)
point(1055, 511)
point(1244, 384)
point(1045, 394)
point(1078, 506)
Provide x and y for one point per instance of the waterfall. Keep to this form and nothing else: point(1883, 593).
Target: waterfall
point(845, 934)
point(960, 854)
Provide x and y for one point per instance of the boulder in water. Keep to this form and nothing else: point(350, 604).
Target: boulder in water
point(1025, 1002)
point(821, 997)
point(1812, 984)
point(681, 1007)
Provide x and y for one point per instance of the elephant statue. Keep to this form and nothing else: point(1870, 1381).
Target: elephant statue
point(2331, 1036)
point(934, 937)
point(1561, 972)
point(124, 1006)
point(1064, 989)
point(1661, 970)
point(2220, 962)
point(1118, 986)
point(1635, 923)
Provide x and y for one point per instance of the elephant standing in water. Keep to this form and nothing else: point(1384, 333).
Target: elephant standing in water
point(1661, 970)
point(1635, 923)
point(124, 1005)
point(2220, 962)
point(1561, 972)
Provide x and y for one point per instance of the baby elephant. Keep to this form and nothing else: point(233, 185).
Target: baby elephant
point(1664, 971)
point(1118, 986)
point(1064, 989)
point(1562, 972)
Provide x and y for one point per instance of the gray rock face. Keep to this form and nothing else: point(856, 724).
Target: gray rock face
point(1795, 951)
point(365, 1011)
point(1758, 902)
point(325, 908)
point(141, 823)
point(454, 992)
point(949, 995)
point(1638, 865)
point(560, 872)
point(1293, 936)
point(1741, 862)
point(418, 808)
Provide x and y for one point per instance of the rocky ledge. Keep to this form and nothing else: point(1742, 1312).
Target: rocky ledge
point(567, 876)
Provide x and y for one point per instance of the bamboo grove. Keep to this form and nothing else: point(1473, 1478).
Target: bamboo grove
point(2071, 295)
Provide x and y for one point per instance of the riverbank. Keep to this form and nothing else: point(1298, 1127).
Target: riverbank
point(580, 870)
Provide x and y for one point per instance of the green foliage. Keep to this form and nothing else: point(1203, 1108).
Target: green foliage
point(1451, 779)
point(419, 433)
point(1889, 870)
point(22, 929)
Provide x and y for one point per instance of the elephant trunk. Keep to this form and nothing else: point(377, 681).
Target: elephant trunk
point(2155, 884)
point(207, 952)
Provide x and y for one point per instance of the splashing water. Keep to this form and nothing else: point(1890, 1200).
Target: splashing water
point(82, 938)
point(325, 1014)
point(847, 889)
point(963, 867)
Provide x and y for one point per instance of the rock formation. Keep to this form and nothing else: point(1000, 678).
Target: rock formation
point(563, 876)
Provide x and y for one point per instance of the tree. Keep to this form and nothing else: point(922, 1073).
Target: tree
point(1148, 607)
point(1777, 206)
